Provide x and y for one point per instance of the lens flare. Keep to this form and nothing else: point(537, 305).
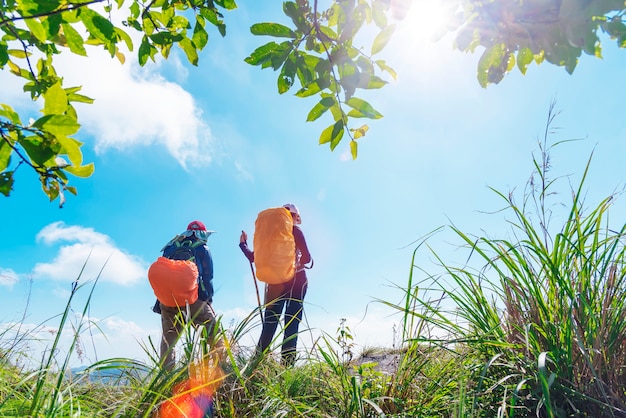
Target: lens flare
point(193, 397)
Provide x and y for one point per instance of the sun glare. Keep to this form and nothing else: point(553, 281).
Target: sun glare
point(420, 43)
point(425, 20)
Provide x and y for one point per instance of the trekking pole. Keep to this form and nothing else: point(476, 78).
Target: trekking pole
point(256, 286)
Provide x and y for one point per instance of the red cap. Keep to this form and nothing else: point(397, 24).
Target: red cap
point(196, 226)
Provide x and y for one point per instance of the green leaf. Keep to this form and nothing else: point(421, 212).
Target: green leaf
point(360, 132)
point(310, 89)
point(178, 23)
point(337, 134)
point(307, 67)
point(320, 108)
point(371, 82)
point(55, 100)
point(297, 15)
point(52, 23)
point(279, 56)
point(165, 38)
point(33, 7)
point(82, 171)
point(74, 41)
point(615, 28)
point(350, 78)
point(212, 16)
point(37, 29)
point(287, 75)
point(79, 98)
point(18, 53)
point(145, 51)
point(272, 29)
point(262, 54)
point(226, 4)
point(38, 149)
point(4, 54)
point(382, 38)
point(336, 111)
point(190, 50)
point(362, 109)
point(134, 9)
point(5, 155)
point(332, 134)
point(351, 26)
point(524, 58)
point(98, 26)
point(330, 34)
point(125, 37)
point(71, 148)
point(51, 189)
point(336, 15)
point(379, 16)
point(490, 64)
point(8, 112)
point(57, 125)
point(326, 135)
point(148, 25)
point(353, 149)
point(200, 36)
point(365, 64)
point(270, 55)
point(6, 183)
point(383, 66)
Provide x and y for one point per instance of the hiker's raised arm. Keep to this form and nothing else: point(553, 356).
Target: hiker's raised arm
point(243, 244)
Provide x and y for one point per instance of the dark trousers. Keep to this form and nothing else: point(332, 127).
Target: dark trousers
point(288, 296)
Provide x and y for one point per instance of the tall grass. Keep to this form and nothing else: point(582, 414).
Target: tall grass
point(540, 324)
point(48, 390)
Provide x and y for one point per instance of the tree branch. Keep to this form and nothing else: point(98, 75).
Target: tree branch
point(69, 8)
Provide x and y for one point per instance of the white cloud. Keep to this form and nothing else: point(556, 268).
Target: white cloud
point(111, 337)
point(8, 277)
point(93, 251)
point(137, 107)
point(134, 106)
point(242, 172)
point(123, 327)
point(379, 327)
point(58, 231)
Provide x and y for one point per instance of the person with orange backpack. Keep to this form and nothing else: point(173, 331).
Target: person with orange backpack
point(182, 281)
point(285, 282)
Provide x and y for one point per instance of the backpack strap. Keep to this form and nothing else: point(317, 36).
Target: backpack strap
point(194, 245)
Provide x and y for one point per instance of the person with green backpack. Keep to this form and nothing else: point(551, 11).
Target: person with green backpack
point(182, 281)
point(281, 256)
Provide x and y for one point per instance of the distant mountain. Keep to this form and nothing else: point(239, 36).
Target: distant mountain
point(108, 376)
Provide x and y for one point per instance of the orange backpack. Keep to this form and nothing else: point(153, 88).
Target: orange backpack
point(274, 246)
point(174, 277)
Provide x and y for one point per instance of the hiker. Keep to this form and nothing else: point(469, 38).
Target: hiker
point(288, 295)
point(182, 281)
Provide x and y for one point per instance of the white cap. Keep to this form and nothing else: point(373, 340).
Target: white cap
point(295, 212)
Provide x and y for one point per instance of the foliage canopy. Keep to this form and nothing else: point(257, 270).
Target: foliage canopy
point(315, 54)
point(519, 32)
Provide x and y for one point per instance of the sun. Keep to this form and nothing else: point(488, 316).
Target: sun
point(421, 20)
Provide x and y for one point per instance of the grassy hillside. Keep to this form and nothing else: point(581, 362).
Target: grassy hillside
point(529, 326)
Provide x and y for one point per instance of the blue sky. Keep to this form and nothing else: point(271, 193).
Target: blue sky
point(173, 143)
